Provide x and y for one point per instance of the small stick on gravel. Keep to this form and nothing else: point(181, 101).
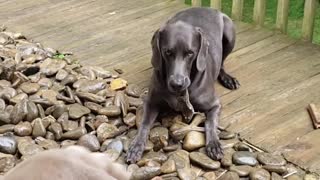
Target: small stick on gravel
point(289, 174)
point(252, 146)
point(225, 171)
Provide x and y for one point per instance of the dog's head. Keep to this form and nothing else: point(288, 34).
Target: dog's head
point(176, 49)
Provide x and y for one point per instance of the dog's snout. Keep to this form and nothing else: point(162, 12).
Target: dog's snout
point(177, 82)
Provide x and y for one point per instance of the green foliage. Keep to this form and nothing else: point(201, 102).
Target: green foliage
point(59, 56)
point(295, 15)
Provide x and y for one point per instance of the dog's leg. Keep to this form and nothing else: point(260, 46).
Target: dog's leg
point(228, 42)
point(213, 146)
point(150, 113)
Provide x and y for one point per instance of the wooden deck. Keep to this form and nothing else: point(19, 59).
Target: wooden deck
point(279, 76)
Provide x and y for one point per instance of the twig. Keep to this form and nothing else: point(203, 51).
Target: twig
point(315, 115)
point(253, 146)
point(289, 174)
point(222, 174)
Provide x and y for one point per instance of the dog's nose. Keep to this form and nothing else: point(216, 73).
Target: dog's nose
point(177, 82)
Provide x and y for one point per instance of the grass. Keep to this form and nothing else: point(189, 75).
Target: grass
point(295, 15)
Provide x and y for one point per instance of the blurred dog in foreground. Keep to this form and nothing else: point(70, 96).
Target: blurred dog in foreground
point(71, 163)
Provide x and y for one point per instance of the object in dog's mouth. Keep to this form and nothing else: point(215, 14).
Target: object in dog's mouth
point(185, 106)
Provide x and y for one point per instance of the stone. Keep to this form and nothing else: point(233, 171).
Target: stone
point(23, 129)
point(225, 135)
point(275, 176)
point(311, 177)
point(121, 101)
point(59, 109)
point(117, 84)
point(242, 170)
point(45, 82)
point(193, 140)
point(110, 111)
point(226, 160)
point(172, 147)
point(8, 144)
point(56, 129)
point(49, 95)
point(87, 72)
point(133, 90)
point(181, 158)
point(230, 143)
point(113, 154)
point(230, 175)
point(27, 148)
point(76, 111)
point(94, 107)
point(106, 131)
point(204, 161)
point(100, 72)
point(146, 173)
point(130, 119)
point(7, 162)
point(242, 147)
point(67, 143)
point(135, 102)
point(168, 167)
point(2, 105)
point(18, 98)
point(153, 156)
point(244, 158)
point(74, 134)
point(19, 112)
point(50, 135)
point(210, 176)
point(132, 168)
point(260, 174)
point(61, 74)
point(159, 137)
point(29, 88)
point(90, 142)
point(50, 67)
point(186, 174)
point(69, 125)
point(170, 176)
point(275, 168)
point(32, 110)
point(116, 144)
point(91, 86)
point(38, 128)
point(294, 177)
point(47, 143)
point(6, 128)
point(269, 159)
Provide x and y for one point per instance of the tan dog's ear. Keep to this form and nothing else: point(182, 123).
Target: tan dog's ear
point(203, 51)
point(156, 60)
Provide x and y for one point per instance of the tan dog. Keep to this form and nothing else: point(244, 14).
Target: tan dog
point(72, 163)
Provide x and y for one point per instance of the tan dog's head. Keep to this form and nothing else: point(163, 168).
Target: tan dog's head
point(71, 163)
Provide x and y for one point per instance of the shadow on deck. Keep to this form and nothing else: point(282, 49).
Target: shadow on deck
point(279, 76)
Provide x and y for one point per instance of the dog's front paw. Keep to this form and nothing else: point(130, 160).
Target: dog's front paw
point(214, 150)
point(228, 81)
point(135, 151)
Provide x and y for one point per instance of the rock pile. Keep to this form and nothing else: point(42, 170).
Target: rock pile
point(47, 101)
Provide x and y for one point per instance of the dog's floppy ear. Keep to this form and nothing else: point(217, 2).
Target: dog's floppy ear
point(156, 59)
point(203, 51)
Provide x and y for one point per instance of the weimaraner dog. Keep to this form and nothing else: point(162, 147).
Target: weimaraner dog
point(188, 57)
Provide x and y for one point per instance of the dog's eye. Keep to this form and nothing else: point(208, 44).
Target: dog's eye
point(168, 52)
point(189, 53)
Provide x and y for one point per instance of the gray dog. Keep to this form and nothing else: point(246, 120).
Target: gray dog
point(188, 55)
